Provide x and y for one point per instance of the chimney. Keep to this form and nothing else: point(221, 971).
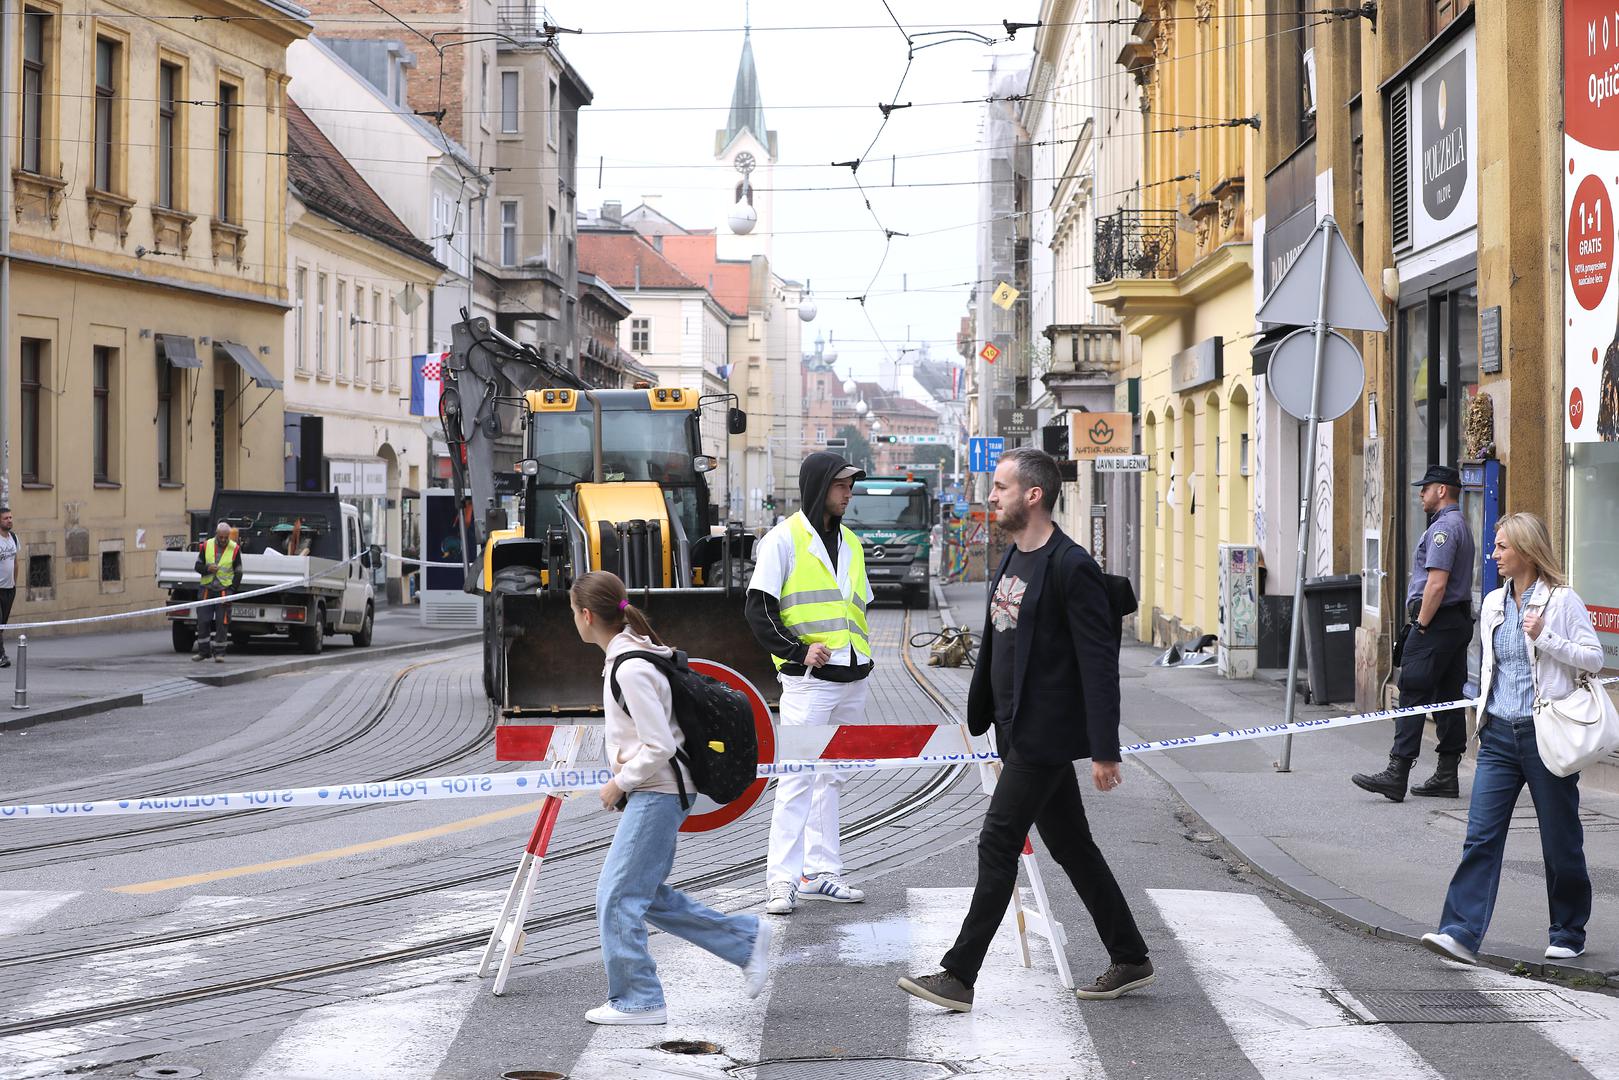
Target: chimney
point(613, 210)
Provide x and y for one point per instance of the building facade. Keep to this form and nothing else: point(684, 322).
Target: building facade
point(148, 262)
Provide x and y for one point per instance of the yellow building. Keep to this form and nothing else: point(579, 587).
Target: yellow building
point(148, 270)
point(1176, 263)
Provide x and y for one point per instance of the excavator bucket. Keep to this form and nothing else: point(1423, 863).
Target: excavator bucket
point(544, 668)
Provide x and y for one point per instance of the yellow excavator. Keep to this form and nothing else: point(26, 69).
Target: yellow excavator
point(609, 480)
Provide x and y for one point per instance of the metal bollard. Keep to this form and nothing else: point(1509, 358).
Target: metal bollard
point(19, 699)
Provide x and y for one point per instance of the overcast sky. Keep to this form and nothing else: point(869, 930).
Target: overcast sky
point(820, 88)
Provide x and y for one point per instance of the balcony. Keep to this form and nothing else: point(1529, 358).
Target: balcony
point(520, 19)
point(1085, 360)
point(1136, 245)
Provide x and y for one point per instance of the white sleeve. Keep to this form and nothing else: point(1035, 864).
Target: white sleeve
point(770, 568)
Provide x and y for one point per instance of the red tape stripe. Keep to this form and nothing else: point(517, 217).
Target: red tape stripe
point(540, 838)
point(857, 741)
point(522, 742)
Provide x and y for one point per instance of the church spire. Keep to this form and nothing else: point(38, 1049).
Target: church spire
point(747, 110)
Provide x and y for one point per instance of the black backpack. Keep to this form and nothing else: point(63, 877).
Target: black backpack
point(721, 744)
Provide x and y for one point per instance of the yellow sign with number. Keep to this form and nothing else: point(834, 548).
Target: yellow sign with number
point(1005, 296)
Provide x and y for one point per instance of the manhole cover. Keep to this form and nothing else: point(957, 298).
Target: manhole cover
point(1457, 1006)
point(845, 1069)
point(168, 1072)
point(1524, 820)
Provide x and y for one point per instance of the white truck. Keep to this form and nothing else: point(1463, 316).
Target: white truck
point(286, 538)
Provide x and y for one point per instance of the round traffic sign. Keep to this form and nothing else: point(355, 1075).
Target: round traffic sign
point(706, 814)
point(1292, 367)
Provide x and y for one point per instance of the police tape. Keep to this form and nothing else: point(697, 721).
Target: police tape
point(563, 781)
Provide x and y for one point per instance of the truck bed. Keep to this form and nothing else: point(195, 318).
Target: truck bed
point(178, 568)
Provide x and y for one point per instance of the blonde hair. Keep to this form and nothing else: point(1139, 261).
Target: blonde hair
point(1527, 534)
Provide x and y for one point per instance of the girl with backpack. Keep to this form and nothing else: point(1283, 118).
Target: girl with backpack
point(642, 739)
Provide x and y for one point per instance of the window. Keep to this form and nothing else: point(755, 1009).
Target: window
point(356, 330)
point(378, 357)
point(300, 286)
point(165, 421)
point(342, 330)
point(550, 234)
point(102, 364)
point(510, 102)
point(168, 86)
point(320, 324)
point(225, 180)
point(106, 114)
point(112, 566)
point(640, 335)
point(483, 96)
point(35, 34)
point(393, 343)
point(820, 436)
point(29, 382)
point(40, 575)
point(508, 232)
point(553, 120)
point(1445, 12)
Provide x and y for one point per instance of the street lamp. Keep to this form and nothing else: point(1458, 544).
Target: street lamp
point(743, 218)
point(850, 386)
point(806, 305)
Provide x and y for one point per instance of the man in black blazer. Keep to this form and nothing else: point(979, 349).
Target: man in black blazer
point(1047, 678)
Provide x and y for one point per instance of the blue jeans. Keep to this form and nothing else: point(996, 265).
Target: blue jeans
point(631, 893)
point(1507, 760)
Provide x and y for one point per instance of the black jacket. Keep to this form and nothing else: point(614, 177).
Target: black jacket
point(1065, 703)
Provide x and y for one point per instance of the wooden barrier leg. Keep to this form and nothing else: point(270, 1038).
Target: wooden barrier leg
point(512, 933)
point(506, 909)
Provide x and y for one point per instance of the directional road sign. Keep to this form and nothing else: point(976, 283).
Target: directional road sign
point(984, 453)
point(961, 508)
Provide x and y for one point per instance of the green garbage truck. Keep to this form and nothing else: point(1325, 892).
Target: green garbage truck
point(893, 516)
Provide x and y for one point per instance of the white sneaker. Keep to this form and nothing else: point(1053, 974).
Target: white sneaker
point(783, 898)
point(1562, 952)
point(1449, 948)
point(829, 887)
point(757, 969)
point(615, 1017)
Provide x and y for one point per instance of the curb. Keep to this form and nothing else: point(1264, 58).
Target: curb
point(1300, 882)
point(94, 706)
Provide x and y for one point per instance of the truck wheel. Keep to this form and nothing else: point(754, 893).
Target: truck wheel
point(312, 639)
point(185, 636)
point(362, 637)
point(917, 598)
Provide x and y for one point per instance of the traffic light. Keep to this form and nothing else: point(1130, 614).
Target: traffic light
point(886, 438)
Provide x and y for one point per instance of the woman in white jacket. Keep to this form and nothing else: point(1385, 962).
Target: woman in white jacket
point(642, 739)
point(1538, 638)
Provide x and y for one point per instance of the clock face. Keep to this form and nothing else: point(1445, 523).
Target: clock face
point(744, 162)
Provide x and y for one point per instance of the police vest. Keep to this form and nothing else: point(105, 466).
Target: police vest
point(813, 606)
point(226, 576)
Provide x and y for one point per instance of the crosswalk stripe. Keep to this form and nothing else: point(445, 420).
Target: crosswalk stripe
point(704, 998)
point(1594, 1043)
point(1266, 985)
point(21, 908)
point(1024, 1025)
point(403, 1034)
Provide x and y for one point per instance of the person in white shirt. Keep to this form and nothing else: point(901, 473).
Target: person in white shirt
point(8, 577)
point(642, 738)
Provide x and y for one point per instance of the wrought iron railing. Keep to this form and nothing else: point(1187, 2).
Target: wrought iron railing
point(1135, 244)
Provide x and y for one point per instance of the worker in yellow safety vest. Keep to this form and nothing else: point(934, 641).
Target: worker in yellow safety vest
point(219, 561)
point(807, 606)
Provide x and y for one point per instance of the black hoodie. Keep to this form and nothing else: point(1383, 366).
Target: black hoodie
point(815, 478)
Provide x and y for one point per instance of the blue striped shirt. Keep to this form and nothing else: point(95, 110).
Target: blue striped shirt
point(1512, 685)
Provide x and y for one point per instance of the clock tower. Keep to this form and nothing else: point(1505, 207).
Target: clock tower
point(748, 149)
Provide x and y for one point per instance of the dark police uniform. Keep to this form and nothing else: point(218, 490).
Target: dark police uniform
point(1434, 664)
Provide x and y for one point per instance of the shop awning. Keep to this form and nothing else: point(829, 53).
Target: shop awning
point(1265, 345)
point(178, 350)
point(248, 363)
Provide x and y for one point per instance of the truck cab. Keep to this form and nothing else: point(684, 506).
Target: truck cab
point(893, 517)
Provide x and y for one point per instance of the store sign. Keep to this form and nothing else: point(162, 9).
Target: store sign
point(1589, 165)
point(1290, 212)
point(1091, 434)
point(1198, 366)
point(1016, 421)
point(359, 478)
point(1443, 130)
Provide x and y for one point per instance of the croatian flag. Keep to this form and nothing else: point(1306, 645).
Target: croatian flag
point(426, 383)
point(958, 380)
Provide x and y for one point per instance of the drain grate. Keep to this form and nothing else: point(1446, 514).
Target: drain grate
point(846, 1069)
point(1524, 820)
point(1457, 1006)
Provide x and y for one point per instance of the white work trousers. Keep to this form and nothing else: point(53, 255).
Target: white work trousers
point(804, 823)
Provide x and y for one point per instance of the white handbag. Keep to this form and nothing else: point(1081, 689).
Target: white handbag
point(1576, 730)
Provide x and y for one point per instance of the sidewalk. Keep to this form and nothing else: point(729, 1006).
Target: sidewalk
point(85, 674)
point(1376, 864)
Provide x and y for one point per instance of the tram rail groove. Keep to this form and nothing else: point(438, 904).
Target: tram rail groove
point(935, 787)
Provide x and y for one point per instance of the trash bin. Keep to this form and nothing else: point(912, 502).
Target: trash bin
point(1331, 614)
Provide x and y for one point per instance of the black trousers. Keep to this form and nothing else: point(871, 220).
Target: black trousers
point(213, 621)
point(1434, 668)
point(1045, 797)
point(7, 598)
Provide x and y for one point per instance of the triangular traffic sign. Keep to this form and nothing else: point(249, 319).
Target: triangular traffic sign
point(1295, 299)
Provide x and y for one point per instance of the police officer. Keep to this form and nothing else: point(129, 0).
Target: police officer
point(1433, 665)
point(807, 606)
point(220, 563)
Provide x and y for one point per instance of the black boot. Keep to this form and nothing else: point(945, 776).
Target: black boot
point(1390, 783)
point(1443, 783)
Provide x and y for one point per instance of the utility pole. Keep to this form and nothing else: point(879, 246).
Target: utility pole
point(7, 25)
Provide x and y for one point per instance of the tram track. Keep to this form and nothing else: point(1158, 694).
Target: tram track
point(936, 786)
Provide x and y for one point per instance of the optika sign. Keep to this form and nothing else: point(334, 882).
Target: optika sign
point(1601, 35)
point(1444, 127)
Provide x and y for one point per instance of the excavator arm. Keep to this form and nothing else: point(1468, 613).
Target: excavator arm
point(483, 363)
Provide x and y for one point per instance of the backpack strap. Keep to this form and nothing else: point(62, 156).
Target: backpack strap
point(665, 664)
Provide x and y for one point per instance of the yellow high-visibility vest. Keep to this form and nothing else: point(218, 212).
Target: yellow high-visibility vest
point(225, 577)
point(813, 607)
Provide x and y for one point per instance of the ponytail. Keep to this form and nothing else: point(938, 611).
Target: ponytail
point(603, 595)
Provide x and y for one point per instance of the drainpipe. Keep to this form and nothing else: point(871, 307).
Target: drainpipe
point(7, 22)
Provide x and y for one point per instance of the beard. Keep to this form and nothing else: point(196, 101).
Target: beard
point(1013, 517)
